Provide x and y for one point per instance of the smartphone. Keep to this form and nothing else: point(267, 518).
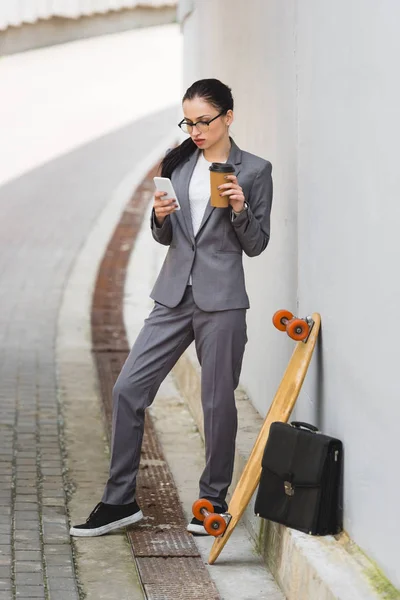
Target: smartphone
point(163, 184)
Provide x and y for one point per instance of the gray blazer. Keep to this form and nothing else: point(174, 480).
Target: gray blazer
point(214, 256)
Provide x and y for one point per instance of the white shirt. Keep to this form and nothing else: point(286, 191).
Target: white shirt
point(199, 194)
point(199, 191)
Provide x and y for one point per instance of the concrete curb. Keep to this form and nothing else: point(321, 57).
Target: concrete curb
point(305, 567)
point(104, 570)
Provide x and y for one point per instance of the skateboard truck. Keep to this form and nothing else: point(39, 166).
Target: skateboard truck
point(214, 523)
point(297, 329)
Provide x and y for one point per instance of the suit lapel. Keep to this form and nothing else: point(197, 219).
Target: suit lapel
point(234, 158)
point(182, 190)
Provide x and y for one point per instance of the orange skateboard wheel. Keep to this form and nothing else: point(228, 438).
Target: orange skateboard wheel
point(199, 506)
point(280, 319)
point(215, 524)
point(298, 329)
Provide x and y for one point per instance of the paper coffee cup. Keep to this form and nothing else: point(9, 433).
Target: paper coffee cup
point(218, 172)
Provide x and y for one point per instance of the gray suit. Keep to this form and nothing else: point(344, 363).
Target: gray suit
point(215, 256)
point(212, 312)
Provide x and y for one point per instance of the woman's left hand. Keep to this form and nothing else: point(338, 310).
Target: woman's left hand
point(234, 191)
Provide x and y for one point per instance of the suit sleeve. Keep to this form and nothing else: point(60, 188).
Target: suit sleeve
point(252, 226)
point(163, 234)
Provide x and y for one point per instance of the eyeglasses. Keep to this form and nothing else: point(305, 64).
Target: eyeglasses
point(202, 126)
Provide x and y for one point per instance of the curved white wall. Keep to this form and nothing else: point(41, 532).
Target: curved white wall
point(317, 92)
point(17, 12)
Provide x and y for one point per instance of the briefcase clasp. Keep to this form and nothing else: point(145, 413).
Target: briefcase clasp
point(289, 490)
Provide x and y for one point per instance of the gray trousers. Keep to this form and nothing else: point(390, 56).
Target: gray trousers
point(220, 339)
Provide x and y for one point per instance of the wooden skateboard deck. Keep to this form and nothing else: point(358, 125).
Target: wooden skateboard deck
point(280, 410)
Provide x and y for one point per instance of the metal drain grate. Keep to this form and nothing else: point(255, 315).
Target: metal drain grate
point(168, 541)
point(164, 531)
point(166, 556)
point(177, 578)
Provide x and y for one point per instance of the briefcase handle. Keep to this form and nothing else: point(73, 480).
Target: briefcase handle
point(302, 425)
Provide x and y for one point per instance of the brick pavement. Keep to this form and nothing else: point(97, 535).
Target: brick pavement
point(45, 216)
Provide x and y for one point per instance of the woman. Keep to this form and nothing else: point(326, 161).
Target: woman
point(199, 295)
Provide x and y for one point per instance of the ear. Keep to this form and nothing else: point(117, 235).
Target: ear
point(229, 117)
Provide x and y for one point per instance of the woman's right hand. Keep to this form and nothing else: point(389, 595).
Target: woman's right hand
point(162, 207)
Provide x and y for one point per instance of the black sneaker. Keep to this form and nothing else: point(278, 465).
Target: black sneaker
point(107, 517)
point(197, 528)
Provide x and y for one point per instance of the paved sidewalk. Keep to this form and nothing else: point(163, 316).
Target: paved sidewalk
point(44, 219)
point(73, 126)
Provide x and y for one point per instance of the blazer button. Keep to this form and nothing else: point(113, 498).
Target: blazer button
point(193, 247)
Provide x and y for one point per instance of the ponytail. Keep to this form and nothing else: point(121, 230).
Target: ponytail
point(176, 156)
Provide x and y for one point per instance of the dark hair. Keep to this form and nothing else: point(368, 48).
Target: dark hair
point(214, 92)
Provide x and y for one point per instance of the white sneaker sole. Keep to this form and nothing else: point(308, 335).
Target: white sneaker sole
point(107, 528)
point(197, 529)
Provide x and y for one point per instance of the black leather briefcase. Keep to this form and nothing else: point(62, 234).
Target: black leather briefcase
point(301, 479)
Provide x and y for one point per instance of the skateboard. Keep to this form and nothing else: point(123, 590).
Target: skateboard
point(305, 332)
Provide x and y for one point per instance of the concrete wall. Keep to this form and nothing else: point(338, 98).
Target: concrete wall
point(317, 92)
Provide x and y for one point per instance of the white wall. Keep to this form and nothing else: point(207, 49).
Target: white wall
point(264, 124)
point(17, 12)
point(318, 93)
